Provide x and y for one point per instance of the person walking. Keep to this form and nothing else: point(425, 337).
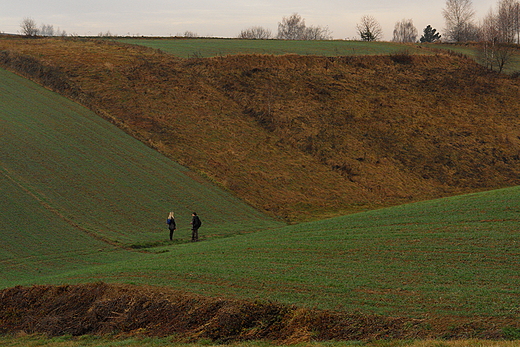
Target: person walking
point(195, 225)
point(171, 224)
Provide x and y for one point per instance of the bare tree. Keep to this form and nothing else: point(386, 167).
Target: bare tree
point(489, 30)
point(106, 34)
point(255, 32)
point(502, 26)
point(405, 31)
point(188, 33)
point(291, 28)
point(61, 33)
point(458, 15)
point(369, 29)
point(29, 27)
point(294, 28)
point(516, 19)
point(47, 30)
point(497, 35)
point(317, 33)
point(507, 20)
point(495, 54)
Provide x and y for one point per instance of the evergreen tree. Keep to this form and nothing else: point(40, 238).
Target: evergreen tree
point(430, 35)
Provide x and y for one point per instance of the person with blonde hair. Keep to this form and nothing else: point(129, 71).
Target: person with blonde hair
point(171, 224)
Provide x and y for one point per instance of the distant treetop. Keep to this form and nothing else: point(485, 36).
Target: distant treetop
point(430, 35)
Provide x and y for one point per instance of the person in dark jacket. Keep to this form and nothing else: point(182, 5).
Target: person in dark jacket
point(171, 224)
point(195, 225)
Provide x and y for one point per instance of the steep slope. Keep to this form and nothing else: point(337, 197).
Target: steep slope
point(74, 185)
point(300, 137)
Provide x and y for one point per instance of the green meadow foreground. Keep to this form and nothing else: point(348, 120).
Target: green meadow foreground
point(451, 257)
point(85, 202)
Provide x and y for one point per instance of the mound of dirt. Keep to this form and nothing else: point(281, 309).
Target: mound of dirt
point(100, 308)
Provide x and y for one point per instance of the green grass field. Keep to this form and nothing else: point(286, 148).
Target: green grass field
point(455, 256)
point(203, 48)
point(78, 194)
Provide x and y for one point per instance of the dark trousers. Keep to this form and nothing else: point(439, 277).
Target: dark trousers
point(195, 234)
point(171, 233)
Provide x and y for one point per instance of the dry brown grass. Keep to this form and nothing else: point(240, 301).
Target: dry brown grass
point(300, 137)
point(101, 309)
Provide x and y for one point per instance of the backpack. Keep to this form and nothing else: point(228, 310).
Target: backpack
point(197, 222)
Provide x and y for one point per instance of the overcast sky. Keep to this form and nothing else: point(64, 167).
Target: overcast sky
point(223, 18)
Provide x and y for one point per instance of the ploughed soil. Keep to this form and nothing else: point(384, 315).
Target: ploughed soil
point(101, 308)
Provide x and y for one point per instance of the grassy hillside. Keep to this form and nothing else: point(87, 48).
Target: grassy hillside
point(450, 257)
point(71, 205)
point(73, 185)
point(400, 272)
point(300, 137)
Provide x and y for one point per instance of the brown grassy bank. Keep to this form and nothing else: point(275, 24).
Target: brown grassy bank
point(299, 137)
point(99, 309)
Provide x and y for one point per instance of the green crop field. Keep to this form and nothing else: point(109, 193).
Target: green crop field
point(456, 256)
point(203, 48)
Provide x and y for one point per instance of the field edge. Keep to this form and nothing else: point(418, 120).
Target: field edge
point(103, 309)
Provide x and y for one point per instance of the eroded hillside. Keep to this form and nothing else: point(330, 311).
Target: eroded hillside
point(299, 137)
point(101, 309)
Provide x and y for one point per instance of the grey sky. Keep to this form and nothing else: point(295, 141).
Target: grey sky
point(224, 18)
